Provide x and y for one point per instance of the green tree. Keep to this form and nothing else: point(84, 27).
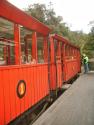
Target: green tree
point(38, 11)
point(48, 17)
point(89, 46)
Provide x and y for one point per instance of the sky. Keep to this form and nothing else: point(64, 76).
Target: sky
point(76, 13)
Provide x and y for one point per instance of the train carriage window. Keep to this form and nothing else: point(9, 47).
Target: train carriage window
point(66, 50)
point(26, 45)
point(2, 59)
point(70, 52)
point(74, 52)
point(6, 42)
point(61, 45)
point(40, 48)
point(56, 49)
point(57, 45)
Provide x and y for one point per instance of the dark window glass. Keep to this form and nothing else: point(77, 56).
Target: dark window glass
point(40, 44)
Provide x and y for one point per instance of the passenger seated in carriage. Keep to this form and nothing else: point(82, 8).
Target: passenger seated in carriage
point(30, 60)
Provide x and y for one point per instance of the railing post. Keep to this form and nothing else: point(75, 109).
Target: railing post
point(34, 46)
point(45, 46)
point(17, 44)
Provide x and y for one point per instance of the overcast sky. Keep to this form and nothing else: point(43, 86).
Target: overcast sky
point(76, 13)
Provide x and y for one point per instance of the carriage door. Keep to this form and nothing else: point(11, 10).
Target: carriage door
point(58, 63)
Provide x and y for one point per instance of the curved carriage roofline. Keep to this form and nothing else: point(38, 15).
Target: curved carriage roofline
point(12, 13)
point(61, 38)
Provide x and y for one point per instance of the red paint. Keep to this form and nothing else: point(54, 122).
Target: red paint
point(14, 106)
point(17, 44)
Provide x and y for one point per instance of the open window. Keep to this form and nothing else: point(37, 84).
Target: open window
point(19, 45)
point(26, 45)
point(6, 42)
point(40, 44)
point(42, 48)
point(57, 45)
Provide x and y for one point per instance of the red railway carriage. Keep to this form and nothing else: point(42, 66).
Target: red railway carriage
point(65, 61)
point(71, 61)
point(23, 60)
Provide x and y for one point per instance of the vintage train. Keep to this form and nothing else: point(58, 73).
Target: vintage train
point(33, 63)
